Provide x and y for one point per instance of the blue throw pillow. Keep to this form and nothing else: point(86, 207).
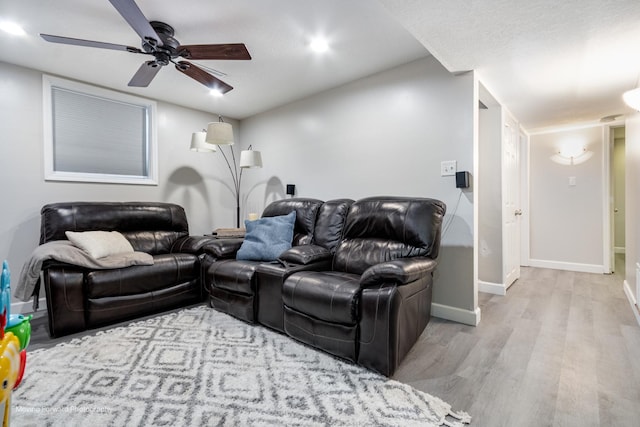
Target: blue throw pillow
point(266, 238)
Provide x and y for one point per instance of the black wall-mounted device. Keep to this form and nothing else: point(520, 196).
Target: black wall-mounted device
point(462, 179)
point(291, 189)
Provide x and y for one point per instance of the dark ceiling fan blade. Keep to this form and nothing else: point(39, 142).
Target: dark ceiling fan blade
point(203, 77)
point(214, 51)
point(89, 43)
point(145, 74)
point(136, 19)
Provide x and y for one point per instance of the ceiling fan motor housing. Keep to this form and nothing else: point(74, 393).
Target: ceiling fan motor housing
point(169, 48)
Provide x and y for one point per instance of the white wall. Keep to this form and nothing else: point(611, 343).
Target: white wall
point(567, 221)
point(490, 269)
point(187, 178)
point(382, 135)
point(632, 201)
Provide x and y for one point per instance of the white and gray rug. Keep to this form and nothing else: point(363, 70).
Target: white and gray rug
point(200, 367)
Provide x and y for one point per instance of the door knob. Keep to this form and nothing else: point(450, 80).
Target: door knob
point(518, 212)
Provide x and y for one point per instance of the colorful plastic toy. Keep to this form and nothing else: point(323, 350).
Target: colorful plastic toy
point(12, 364)
point(22, 329)
point(13, 357)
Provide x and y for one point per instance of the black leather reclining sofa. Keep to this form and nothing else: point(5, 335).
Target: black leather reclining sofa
point(80, 298)
point(357, 282)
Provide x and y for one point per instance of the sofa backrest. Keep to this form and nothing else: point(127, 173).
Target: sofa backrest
point(380, 229)
point(330, 223)
point(306, 214)
point(149, 226)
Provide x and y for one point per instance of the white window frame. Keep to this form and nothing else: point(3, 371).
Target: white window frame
point(50, 174)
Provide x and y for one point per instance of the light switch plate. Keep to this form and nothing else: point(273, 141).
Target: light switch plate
point(448, 168)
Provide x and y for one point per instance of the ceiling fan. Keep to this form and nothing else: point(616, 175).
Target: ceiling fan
point(157, 40)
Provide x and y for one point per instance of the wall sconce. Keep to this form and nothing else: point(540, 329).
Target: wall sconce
point(217, 135)
point(571, 158)
point(632, 98)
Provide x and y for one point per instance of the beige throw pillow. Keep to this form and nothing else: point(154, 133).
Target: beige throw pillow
point(99, 244)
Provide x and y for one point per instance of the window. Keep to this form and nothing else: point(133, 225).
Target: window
point(98, 135)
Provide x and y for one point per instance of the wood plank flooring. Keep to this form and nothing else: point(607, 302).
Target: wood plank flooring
point(560, 349)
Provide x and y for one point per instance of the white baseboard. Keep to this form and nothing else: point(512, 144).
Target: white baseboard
point(27, 307)
point(619, 250)
point(632, 300)
point(455, 314)
point(569, 266)
point(492, 288)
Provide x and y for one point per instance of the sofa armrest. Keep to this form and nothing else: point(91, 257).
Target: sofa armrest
point(305, 254)
point(400, 271)
point(223, 248)
point(64, 287)
point(191, 244)
point(392, 318)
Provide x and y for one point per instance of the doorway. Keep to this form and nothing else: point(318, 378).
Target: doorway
point(617, 191)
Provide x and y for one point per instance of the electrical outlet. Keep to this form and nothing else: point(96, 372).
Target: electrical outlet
point(448, 168)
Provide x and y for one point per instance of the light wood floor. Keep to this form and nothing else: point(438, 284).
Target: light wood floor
point(560, 349)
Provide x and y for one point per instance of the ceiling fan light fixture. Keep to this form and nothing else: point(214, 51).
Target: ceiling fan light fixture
point(157, 40)
point(632, 98)
point(217, 93)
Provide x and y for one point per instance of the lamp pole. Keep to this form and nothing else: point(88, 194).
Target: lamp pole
point(236, 176)
point(218, 134)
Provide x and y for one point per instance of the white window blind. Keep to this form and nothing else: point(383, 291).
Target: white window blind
point(97, 135)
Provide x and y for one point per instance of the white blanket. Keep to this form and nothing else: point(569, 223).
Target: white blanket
point(65, 251)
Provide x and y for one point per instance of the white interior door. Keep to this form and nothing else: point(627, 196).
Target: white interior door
point(511, 212)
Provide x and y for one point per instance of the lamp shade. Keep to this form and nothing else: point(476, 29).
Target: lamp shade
point(219, 133)
point(250, 159)
point(632, 98)
point(199, 143)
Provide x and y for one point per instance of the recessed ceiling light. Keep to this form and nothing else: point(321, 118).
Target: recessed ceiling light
point(216, 93)
point(12, 28)
point(319, 45)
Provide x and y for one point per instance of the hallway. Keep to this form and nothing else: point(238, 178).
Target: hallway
point(560, 349)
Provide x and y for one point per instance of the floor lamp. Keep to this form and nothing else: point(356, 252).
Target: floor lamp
point(217, 135)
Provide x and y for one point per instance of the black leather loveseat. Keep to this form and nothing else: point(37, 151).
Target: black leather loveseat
point(357, 282)
point(79, 298)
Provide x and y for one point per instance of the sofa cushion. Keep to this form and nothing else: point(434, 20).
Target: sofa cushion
point(267, 238)
point(153, 242)
point(330, 223)
point(380, 229)
point(99, 244)
point(306, 214)
point(167, 270)
point(330, 296)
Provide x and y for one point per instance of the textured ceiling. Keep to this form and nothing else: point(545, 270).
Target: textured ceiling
point(549, 62)
point(363, 39)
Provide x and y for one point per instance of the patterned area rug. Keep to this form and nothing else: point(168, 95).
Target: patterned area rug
point(201, 367)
